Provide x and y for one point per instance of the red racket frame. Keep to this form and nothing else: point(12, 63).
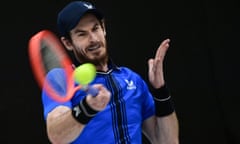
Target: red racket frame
point(38, 68)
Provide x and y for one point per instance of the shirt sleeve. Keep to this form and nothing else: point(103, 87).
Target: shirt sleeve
point(148, 109)
point(56, 79)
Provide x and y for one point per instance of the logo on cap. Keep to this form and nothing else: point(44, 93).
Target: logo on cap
point(89, 6)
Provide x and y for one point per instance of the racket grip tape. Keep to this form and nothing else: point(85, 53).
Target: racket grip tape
point(92, 91)
point(82, 112)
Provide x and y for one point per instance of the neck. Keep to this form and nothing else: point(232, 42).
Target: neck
point(102, 67)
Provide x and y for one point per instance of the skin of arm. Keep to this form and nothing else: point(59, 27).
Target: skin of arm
point(63, 128)
point(165, 129)
point(162, 130)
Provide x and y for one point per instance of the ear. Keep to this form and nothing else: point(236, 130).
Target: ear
point(67, 43)
point(104, 32)
point(103, 26)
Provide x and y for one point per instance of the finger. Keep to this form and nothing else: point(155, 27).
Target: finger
point(161, 51)
point(158, 64)
point(98, 86)
point(73, 66)
point(150, 64)
point(101, 104)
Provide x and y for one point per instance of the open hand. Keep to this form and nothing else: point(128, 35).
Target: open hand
point(155, 65)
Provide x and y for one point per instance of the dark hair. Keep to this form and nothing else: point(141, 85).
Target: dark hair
point(68, 36)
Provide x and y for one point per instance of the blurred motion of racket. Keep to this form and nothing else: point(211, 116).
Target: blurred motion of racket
point(48, 58)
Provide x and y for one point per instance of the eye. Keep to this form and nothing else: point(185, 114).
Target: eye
point(96, 28)
point(81, 34)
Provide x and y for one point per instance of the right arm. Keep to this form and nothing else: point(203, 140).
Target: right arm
point(63, 127)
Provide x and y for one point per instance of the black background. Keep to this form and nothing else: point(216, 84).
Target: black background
point(201, 66)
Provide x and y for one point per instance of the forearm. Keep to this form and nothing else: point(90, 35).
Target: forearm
point(167, 129)
point(166, 120)
point(62, 128)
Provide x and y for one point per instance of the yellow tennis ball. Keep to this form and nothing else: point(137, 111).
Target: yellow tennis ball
point(85, 73)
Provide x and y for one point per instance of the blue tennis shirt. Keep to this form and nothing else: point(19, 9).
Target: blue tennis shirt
point(121, 122)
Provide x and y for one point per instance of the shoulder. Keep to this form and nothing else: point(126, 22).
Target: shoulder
point(128, 72)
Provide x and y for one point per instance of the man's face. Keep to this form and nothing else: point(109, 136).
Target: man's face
point(88, 40)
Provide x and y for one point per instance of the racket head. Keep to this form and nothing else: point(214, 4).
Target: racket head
point(48, 58)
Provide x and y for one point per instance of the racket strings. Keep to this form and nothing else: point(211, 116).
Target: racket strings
point(53, 66)
point(49, 57)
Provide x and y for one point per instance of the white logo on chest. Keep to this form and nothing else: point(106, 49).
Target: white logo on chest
point(130, 84)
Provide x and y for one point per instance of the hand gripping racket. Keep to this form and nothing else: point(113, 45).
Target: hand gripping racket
point(48, 58)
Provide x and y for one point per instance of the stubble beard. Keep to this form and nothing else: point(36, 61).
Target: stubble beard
point(98, 61)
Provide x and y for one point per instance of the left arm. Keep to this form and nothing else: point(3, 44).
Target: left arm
point(162, 128)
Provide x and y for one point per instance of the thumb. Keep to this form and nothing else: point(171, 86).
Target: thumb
point(73, 66)
point(150, 64)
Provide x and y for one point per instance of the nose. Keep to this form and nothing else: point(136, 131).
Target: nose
point(93, 37)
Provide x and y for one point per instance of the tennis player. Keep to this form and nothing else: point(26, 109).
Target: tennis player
point(126, 108)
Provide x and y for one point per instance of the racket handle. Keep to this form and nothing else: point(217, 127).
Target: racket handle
point(92, 91)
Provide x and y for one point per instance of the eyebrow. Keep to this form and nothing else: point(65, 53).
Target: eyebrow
point(80, 30)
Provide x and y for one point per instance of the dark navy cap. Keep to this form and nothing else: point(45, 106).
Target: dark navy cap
point(71, 14)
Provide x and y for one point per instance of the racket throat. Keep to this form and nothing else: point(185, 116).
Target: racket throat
point(85, 88)
point(90, 90)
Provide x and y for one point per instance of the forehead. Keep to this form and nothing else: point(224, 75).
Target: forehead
point(88, 20)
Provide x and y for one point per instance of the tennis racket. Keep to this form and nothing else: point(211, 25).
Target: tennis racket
point(52, 67)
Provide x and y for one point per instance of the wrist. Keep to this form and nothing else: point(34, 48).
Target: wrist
point(163, 101)
point(160, 93)
point(82, 112)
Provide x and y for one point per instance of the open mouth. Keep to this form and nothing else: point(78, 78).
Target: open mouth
point(95, 47)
